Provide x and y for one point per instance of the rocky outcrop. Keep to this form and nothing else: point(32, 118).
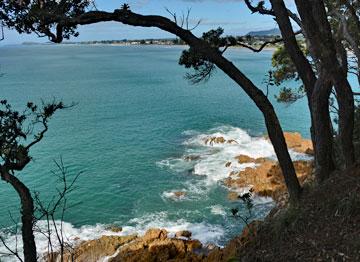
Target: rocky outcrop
point(244, 159)
point(93, 250)
point(297, 143)
point(266, 179)
point(155, 245)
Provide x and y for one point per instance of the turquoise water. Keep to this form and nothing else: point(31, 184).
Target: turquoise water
point(136, 118)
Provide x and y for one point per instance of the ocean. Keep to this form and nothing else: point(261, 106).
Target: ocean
point(135, 121)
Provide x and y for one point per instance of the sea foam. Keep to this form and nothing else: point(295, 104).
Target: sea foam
point(209, 160)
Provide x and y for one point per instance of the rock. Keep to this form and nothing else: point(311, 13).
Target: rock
point(215, 140)
point(94, 250)
point(309, 151)
point(233, 196)
point(156, 246)
point(179, 194)
point(266, 179)
point(243, 159)
point(232, 141)
point(183, 233)
point(114, 228)
point(155, 233)
point(228, 164)
point(211, 246)
point(191, 158)
point(192, 245)
point(299, 144)
point(293, 139)
point(168, 245)
point(261, 160)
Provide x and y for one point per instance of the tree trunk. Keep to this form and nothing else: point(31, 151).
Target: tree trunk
point(322, 128)
point(318, 29)
point(345, 100)
point(300, 61)
point(27, 216)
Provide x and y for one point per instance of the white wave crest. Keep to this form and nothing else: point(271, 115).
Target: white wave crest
point(215, 161)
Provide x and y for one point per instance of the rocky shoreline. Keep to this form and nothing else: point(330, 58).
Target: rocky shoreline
point(263, 178)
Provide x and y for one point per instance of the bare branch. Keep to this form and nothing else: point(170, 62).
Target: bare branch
point(184, 20)
point(58, 204)
point(12, 252)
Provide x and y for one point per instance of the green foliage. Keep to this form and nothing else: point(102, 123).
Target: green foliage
point(248, 204)
point(269, 81)
point(288, 95)
point(16, 127)
point(203, 68)
point(29, 16)
point(284, 70)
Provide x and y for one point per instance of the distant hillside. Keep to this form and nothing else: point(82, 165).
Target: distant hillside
point(274, 31)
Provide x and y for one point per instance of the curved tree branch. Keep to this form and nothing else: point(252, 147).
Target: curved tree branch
point(258, 50)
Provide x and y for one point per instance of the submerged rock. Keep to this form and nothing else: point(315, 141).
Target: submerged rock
point(191, 158)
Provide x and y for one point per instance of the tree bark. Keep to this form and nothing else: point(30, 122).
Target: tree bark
point(323, 133)
point(303, 66)
point(27, 215)
point(345, 100)
point(314, 18)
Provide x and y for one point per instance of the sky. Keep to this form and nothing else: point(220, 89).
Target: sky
point(232, 15)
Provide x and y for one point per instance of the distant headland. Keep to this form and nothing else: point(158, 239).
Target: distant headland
point(254, 39)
